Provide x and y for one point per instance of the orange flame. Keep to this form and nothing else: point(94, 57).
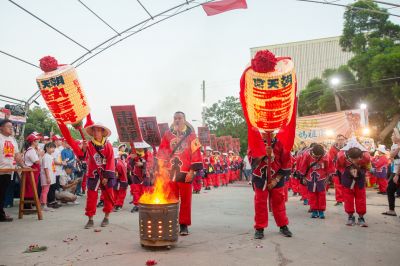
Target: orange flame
point(161, 192)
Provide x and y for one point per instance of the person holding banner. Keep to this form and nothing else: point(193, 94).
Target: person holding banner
point(101, 172)
point(137, 165)
point(180, 153)
point(209, 171)
point(121, 185)
point(270, 187)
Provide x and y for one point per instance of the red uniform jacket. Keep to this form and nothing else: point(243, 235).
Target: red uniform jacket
point(280, 164)
point(100, 159)
point(122, 176)
point(380, 166)
point(180, 160)
point(317, 173)
point(344, 166)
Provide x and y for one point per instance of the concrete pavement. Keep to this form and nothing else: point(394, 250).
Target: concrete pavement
point(221, 234)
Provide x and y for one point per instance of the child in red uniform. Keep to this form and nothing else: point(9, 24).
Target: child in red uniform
point(101, 172)
point(379, 169)
point(316, 168)
point(352, 163)
point(122, 180)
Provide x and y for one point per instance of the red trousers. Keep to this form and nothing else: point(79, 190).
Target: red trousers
point(208, 181)
point(261, 207)
point(215, 181)
point(183, 191)
point(136, 192)
point(303, 191)
point(225, 178)
point(286, 190)
point(382, 183)
point(338, 189)
point(294, 184)
point(119, 195)
point(372, 179)
point(91, 201)
point(84, 181)
point(196, 183)
point(357, 197)
point(317, 200)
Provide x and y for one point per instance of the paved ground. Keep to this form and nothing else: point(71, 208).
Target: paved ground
point(221, 234)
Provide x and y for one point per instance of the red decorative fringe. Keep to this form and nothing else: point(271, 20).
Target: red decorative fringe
point(264, 61)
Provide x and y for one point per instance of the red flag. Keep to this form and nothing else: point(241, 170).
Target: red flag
point(215, 8)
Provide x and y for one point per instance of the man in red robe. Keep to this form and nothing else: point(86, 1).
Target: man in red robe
point(180, 153)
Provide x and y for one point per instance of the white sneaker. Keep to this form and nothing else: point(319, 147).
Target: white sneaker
point(75, 202)
point(45, 208)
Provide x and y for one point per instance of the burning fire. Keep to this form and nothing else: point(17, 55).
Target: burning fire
point(161, 192)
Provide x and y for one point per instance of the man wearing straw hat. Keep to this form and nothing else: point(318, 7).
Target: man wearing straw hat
point(180, 153)
point(101, 172)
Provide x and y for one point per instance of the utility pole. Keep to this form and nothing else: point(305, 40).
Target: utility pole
point(203, 112)
point(337, 101)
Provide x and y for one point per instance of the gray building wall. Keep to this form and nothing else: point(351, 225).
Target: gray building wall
point(310, 57)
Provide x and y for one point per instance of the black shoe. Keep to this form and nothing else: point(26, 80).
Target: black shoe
point(259, 234)
point(117, 208)
point(338, 203)
point(100, 204)
point(54, 205)
point(6, 218)
point(105, 222)
point(295, 194)
point(135, 209)
point(89, 224)
point(183, 230)
point(285, 231)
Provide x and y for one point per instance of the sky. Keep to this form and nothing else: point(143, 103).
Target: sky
point(159, 70)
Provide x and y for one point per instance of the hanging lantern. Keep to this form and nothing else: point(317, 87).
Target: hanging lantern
point(62, 92)
point(269, 91)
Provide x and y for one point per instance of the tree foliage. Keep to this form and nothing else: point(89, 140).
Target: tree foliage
point(225, 118)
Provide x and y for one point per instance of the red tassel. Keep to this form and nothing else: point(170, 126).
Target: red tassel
point(264, 61)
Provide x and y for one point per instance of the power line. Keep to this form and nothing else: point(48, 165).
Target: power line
point(141, 29)
point(19, 59)
point(47, 24)
point(98, 17)
point(146, 9)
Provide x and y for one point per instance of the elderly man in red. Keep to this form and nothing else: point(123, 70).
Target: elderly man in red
point(180, 153)
point(101, 172)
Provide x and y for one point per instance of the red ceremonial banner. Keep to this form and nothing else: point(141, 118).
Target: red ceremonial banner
point(127, 123)
point(221, 145)
point(163, 127)
point(204, 136)
point(229, 142)
point(213, 142)
point(149, 127)
point(236, 145)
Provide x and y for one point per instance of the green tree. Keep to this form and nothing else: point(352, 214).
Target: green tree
point(226, 118)
point(375, 42)
point(318, 96)
point(40, 120)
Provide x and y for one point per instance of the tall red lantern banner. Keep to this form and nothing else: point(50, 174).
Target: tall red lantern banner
point(151, 133)
point(268, 94)
point(127, 123)
point(213, 142)
point(221, 147)
point(64, 96)
point(163, 127)
point(204, 136)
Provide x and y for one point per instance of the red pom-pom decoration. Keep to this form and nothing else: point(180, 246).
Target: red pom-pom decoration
point(48, 63)
point(264, 61)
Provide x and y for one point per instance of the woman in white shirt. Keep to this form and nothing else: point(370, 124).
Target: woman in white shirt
point(31, 159)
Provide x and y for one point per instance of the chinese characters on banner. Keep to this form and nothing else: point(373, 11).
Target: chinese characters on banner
point(150, 131)
point(127, 123)
point(204, 136)
point(213, 142)
point(236, 145)
point(64, 95)
point(163, 127)
point(221, 145)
